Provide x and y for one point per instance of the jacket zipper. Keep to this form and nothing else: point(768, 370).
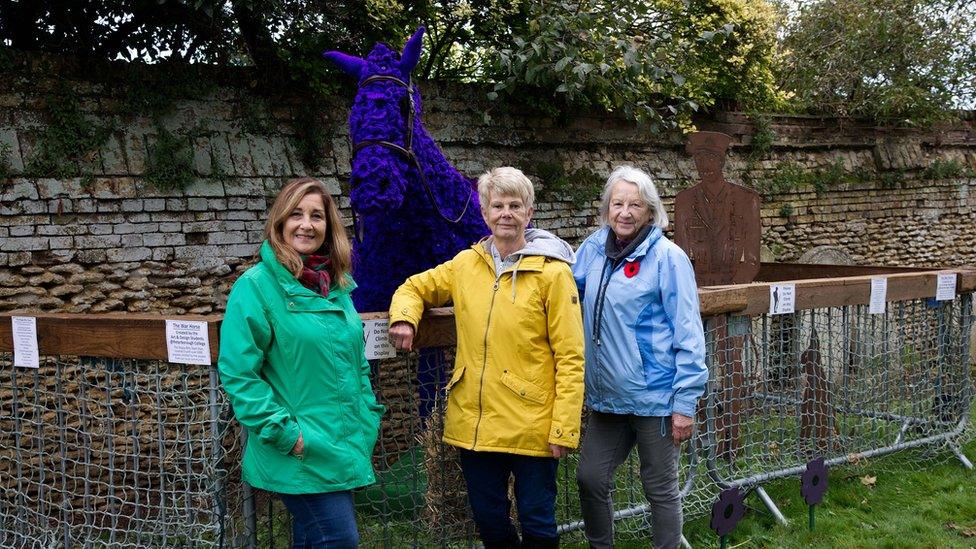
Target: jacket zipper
point(484, 364)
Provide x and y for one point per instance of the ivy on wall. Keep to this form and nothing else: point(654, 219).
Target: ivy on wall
point(69, 143)
point(581, 186)
point(170, 161)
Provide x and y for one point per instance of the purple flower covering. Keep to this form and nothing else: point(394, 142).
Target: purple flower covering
point(813, 482)
point(402, 231)
point(727, 511)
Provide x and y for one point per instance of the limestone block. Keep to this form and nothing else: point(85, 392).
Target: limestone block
point(240, 215)
point(217, 204)
point(22, 230)
point(164, 239)
point(154, 204)
point(261, 152)
point(130, 240)
point(176, 204)
point(297, 166)
point(132, 205)
point(204, 188)
point(239, 250)
point(60, 242)
point(240, 155)
point(134, 145)
point(18, 190)
point(220, 157)
point(202, 161)
point(197, 204)
point(228, 237)
point(46, 278)
point(18, 258)
point(108, 305)
point(24, 244)
point(162, 254)
point(113, 157)
point(9, 141)
point(65, 289)
point(97, 242)
point(899, 155)
point(245, 187)
point(110, 206)
point(129, 254)
point(280, 160)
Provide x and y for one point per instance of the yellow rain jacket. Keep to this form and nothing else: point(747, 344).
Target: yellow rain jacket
point(517, 384)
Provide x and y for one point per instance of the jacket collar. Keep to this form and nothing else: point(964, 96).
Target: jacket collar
point(291, 286)
point(600, 237)
point(527, 263)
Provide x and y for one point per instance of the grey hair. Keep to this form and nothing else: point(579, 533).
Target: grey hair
point(506, 181)
point(646, 189)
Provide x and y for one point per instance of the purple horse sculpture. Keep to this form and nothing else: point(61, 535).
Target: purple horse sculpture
point(413, 209)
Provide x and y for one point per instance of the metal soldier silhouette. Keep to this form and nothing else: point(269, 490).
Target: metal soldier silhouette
point(717, 222)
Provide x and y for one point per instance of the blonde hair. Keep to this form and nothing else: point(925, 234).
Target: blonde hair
point(646, 189)
point(506, 181)
point(336, 243)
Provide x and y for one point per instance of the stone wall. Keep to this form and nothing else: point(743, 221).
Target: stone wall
point(108, 240)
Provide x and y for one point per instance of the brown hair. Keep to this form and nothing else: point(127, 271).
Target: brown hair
point(336, 242)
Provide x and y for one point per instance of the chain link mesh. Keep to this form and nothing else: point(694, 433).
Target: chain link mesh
point(133, 453)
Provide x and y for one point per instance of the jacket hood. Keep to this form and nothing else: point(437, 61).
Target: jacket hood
point(540, 242)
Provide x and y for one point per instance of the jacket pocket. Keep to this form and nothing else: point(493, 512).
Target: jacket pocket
point(455, 377)
point(523, 388)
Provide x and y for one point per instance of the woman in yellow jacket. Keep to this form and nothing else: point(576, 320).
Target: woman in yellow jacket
point(515, 396)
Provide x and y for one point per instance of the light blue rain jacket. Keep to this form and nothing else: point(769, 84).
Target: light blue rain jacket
point(648, 357)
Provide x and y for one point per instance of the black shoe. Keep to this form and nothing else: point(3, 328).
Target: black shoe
point(530, 542)
point(510, 543)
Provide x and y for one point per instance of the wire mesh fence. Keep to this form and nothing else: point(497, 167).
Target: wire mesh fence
point(134, 453)
point(109, 453)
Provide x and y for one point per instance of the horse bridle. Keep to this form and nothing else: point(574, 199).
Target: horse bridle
point(407, 148)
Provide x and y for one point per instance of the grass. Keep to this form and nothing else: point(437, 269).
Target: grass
point(911, 504)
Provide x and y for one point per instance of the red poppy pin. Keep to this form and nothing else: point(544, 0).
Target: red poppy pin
point(631, 268)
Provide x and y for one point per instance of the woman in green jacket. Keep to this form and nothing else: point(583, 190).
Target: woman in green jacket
point(292, 361)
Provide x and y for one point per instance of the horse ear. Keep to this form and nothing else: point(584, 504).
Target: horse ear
point(411, 52)
point(350, 64)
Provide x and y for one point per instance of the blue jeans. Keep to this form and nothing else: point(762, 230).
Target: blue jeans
point(322, 521)
point(486, 475)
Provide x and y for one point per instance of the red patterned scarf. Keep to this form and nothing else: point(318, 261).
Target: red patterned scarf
point(315, 274)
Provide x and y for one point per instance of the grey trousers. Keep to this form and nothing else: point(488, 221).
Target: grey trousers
point(606, 444)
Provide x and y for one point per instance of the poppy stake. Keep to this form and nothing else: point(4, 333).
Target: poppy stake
point(813, 484)
point(726, 513)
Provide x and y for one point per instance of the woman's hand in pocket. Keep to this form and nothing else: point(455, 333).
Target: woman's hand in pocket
point(298, 450)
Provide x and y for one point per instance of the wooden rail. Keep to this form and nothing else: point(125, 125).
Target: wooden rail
point(123, 335)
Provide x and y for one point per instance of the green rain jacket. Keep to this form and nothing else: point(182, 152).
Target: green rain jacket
point(293, 361)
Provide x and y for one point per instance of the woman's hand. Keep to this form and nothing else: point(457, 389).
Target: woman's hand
point(558, 451)
point(298, 450)
point(681, 428)
point(401, 334)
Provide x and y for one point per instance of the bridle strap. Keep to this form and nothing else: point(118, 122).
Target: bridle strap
point(406, 150)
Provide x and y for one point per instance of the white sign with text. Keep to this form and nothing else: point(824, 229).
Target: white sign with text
point(377, 336)
point(879, 296)
point(945, 288)
point(26, 354)
point(187, 342)
point(782, 299)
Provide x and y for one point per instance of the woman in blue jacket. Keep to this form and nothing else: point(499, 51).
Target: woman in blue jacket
point(645, 355)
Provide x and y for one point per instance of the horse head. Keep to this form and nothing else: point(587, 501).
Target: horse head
point(384, 118)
